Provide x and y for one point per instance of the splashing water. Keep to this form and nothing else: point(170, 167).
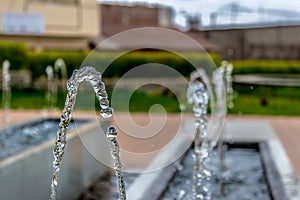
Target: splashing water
point(50, 100)
point(197, 94)
point(228, 86)
point(225, 71)
point(223, 74)
point(93, 77)
point(59, 67)
point(111, 134)
point(218, 76)
point(6, 91)
point(218, 79)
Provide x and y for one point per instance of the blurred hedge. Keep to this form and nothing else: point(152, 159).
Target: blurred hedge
point(182, 63)
point(22, 58)
point(39, 61)
point(266, 66)
point(16, 53)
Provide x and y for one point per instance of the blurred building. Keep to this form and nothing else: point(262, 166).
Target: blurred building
point(256, 41)
point(50, 24)
point(116, 18)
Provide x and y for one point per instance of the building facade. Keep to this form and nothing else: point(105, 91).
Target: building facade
point(265, 42)
point(50, 24)
point(118, 18)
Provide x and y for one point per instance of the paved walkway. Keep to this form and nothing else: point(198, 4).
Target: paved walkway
point(286, 128)
point(288, 131)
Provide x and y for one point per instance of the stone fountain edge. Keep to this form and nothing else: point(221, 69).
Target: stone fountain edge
point(275, 161)
point(22, 168)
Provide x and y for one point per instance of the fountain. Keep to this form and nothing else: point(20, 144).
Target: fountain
point(50, 97)
point(224, 71)
point(6, 92)
point(27, 151)
point(26, 155)
point(251, 174)
point(247, 179)
point(247, 162)
point(204, 173)
point(90, 75)
point(197, 94)
point(245, 174)
point(228, 85)
point(59, 68)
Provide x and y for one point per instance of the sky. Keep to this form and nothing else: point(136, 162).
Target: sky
point(274, 10)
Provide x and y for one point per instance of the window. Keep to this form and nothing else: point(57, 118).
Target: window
point(56, 1)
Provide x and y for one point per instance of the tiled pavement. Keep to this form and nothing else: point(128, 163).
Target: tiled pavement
point(287, 129)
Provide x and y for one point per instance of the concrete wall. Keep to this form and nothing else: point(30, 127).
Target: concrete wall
point(281, 42)
point(230, 42)
point(27, 174)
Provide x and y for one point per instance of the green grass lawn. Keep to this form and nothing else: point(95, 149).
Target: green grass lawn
point(266, 100)
point(142, 102)
point(251, 104)
point(86, 100)
point(249, 100)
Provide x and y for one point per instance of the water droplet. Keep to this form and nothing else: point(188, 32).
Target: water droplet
point(205, 189)
point(179, 167)
point(102, 93)
point(106, 112)
point(111, 132)
point(207, 173)
point(104, 102)
point(181, 194)
point(101, 85)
